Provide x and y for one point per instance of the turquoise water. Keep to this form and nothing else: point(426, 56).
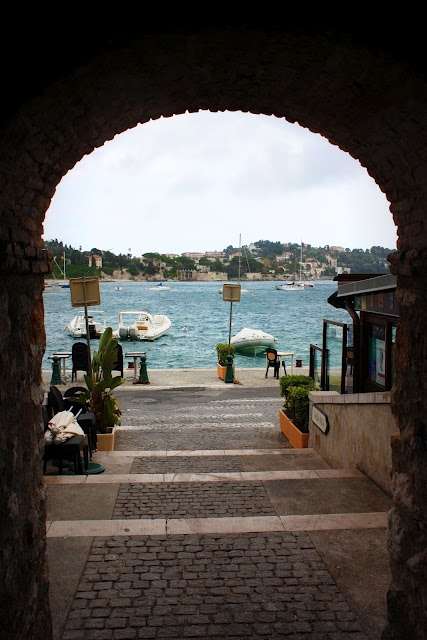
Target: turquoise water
point(295, 318)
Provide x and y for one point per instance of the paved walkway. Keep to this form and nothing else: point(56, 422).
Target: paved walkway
point(206, 523)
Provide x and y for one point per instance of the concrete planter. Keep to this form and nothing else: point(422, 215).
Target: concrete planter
point(106, 441)
point(297, 439)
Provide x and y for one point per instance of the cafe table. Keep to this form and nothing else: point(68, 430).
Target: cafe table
point(135, 355)
point(286, 354)
point(62, 357)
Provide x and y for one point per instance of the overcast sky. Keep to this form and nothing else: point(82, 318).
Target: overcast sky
point(194, 182)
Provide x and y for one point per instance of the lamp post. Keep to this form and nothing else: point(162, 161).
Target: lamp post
point(230, 293)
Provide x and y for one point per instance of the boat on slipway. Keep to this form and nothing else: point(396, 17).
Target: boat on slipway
point(252, 342)
point(141, 325)
point(97, 324)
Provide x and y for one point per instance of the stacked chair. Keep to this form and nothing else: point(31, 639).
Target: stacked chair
point(69, 450)
point(77, 445)
point(80, 359)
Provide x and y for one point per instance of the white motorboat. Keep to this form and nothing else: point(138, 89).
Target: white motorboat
point(290, 286)
point(252, 342)
point(141, 325)
point(160, 287)
point(76, 328)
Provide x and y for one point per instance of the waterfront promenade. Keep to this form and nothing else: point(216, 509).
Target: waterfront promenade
point(206, 523)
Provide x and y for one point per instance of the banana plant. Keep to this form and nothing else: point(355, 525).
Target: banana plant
point(99, 397)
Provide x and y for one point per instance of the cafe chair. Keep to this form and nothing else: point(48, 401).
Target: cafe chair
point(119, 363)
point(70, 450)
point(80, 359)
point(272, 361)
point(86, 419)
point(350, 359)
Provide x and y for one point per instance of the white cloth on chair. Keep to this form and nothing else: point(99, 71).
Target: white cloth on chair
point(63, 425)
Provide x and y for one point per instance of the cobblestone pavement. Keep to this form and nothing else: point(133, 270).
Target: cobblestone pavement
point(193, 500)
point(187, 464)
point(240, 583)
point(232, 423)
point(216, 586)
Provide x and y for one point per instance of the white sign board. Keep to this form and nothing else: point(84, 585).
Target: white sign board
point(231, 292)
point(320, 419)
point(85, 292)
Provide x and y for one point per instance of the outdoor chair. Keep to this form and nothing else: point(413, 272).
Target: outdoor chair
point(86, 419)
point(70, 450)
point(80, 359)
point(119, 363)
point(272, 361)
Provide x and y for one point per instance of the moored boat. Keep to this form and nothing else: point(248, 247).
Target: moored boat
point(290, 286)
point(76, 328)
point(252, 342)
point(160, 287)
point(141, 325)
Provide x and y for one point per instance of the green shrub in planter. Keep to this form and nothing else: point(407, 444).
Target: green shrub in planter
point(297, 404)
point(299, 380)
point(222, 351)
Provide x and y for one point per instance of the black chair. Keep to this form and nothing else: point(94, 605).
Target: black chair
point(86, 419)
point(70, 450)
point(350, 359)
point(272, 361)
point(80, 359)
point(119, 363)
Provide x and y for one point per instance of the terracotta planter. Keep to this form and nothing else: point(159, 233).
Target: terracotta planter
point(222, 371)
point(106, 441)
point(297, 439)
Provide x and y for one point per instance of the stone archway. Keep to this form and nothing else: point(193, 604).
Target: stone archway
point(365, 99)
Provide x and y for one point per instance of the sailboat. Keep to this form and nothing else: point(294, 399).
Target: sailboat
point(64, 283)
point(57, 285)
point(247, 292)
point(294, 285)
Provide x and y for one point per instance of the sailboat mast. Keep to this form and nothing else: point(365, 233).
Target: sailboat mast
point(300, 264)
point(240, 250)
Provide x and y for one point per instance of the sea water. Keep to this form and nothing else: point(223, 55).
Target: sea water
point(200, 319)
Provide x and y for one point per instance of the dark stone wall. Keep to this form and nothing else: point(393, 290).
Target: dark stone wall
point(75, 89)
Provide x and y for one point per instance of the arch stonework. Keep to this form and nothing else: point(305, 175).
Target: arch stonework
point(357, 92)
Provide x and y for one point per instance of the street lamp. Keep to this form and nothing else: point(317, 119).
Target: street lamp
point(230, 293)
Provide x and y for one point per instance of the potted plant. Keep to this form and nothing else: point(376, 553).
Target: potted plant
point(222, 351)
point(294, 416)
point(99, 396)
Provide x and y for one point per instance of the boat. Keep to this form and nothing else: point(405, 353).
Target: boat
point(64, 283)
point(141, 325)
point(295, 285)
point(51, 287)
point(76, 328)
point(117, 288)
point(243, 291)
point(290, 286)
point(160, 287)
point(252, 342)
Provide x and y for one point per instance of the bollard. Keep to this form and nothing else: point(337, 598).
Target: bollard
point(56, 372)
point(143, 375)
point(229, 373)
